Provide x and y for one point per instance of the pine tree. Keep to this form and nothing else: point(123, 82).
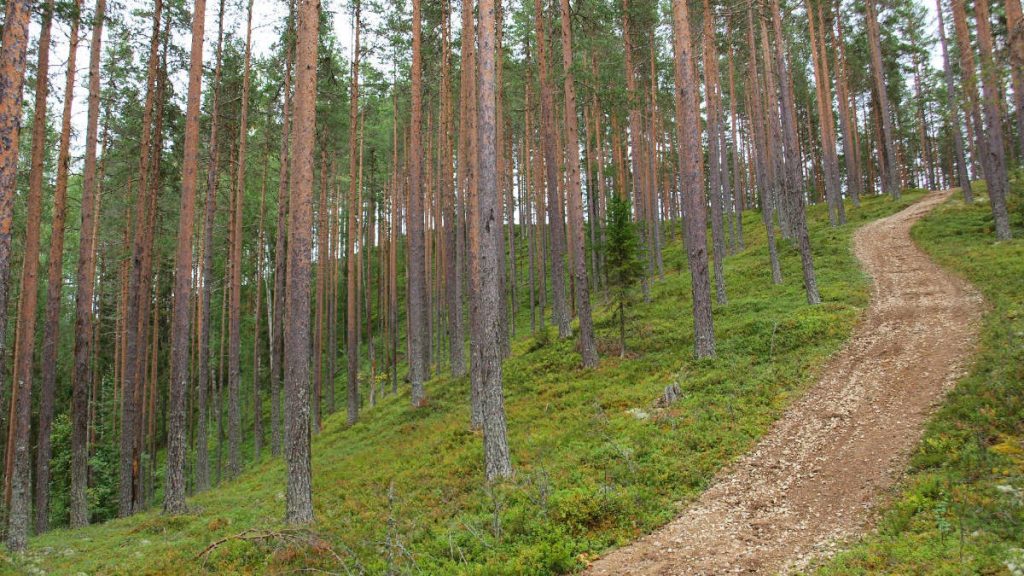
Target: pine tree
point(622, 259)
point(181, 325)
point(299, 497)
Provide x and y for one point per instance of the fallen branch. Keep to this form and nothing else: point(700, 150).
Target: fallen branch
point(250, 535)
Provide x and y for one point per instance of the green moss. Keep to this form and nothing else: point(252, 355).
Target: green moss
point(597, 463)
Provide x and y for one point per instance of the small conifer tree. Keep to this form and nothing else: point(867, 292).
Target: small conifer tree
point(622, 255)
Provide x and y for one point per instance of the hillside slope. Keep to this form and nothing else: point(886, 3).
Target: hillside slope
point(597, 463)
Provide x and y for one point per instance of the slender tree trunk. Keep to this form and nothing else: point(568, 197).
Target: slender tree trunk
point(235, 307)
point(738, 204)
point(928, 167)
point(847, 125)
point(712, 98)
point(321, 276)
point(556, 223)
point(257, 356)
point(823, 91)
point(991, 84)
point(20, 501)
point(54, 284)
point(969, 82)
point(452, 226)
point(299, 497)
point(174, 490)
point(687, 126)
point(890, 175)
point(129, 487)
point(80, 382)
point(762, 162)
point(588, 346)
point(280, 254)
point(419, 335)
point(202, 473)
point(352, 316)
point(1015, 44)
point(13, 56)
point(635, 130)
point(486, 259)
point(953, 112)
point(793, 177)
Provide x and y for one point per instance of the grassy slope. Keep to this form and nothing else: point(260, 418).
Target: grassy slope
point(961, 510)
point(597, 465)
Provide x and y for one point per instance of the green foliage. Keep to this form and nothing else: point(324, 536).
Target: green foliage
point(622, 257)
point(598, 464)
point(961, 511)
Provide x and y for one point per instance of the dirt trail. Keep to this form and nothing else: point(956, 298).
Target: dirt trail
point(815, 477)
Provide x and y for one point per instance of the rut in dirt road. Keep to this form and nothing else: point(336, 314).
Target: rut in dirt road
point(815, 476)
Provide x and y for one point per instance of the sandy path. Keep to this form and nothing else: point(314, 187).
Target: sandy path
point(816, 475)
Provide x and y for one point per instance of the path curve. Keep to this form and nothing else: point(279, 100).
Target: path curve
point(816, 475)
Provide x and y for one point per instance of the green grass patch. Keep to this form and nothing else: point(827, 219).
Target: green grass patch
point(597, 464)
point(961, 509)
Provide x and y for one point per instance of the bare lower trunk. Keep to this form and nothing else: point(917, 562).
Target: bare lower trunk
point(486, 260)
point(280, 257)
point(452, 226)
point(997, 178)
point(299, 497)
point(48, 360)
point(352, 316)
point(714, 124)
point(890, 174)
point(235, 307)
point(419, 332)
point(202, 466)
point(690, 176)
point(574, 199)
point(953, 112)
point(847, 125)
point(1015, 43)
point(556, 223)
point(20, 498)
point(81, 375)
point(794, 182)
point(174, 490)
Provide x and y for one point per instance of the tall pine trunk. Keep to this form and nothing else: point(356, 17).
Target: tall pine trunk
point(129, 487)
point(352, 316)
point(419, 331)
point(847, 124)
point(687, 126)
point(174, 489)
point(13, 56)
point(20, 500)
point(202, 466)
point(48, 360)
point(280, 253)
point(953, 112)
point(235, 307)
point(991, 88)
point(890, 174)
point(714, 124)
point(81, 375)
point(486, 258)
point(794, 182)
point(556, 223)
point(452, 226)
point(574, 198)
point(299, 497)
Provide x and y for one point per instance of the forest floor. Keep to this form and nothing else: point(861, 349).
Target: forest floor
point(599, 463)
point(814, 479)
